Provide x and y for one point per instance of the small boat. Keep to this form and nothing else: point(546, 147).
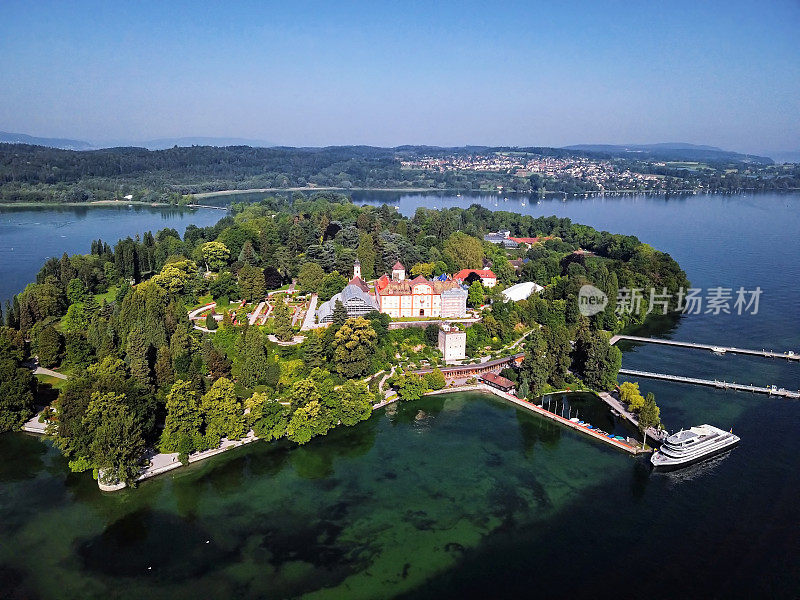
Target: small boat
point(575, 420)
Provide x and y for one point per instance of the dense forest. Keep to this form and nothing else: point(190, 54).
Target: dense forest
point(142, 376)
point(40, 174)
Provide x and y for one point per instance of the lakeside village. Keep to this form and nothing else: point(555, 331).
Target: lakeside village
point(143, 362)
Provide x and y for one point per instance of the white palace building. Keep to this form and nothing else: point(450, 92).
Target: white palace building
point(399, 297)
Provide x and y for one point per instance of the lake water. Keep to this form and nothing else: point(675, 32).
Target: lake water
point(29, 236)
point(463, 496)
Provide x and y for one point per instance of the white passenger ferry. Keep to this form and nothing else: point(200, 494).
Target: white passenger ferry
point(690, 446)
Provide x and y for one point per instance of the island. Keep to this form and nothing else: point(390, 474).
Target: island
point(298, 314)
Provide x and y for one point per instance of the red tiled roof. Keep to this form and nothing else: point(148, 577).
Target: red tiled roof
point(382, 282)
point(498, 380)
point(360, 283)
point(482, 273)
point(530, 240)
point(398, 265)
point(405, 288)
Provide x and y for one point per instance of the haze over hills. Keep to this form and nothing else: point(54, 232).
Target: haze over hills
point(63, 144)
point(671, 151)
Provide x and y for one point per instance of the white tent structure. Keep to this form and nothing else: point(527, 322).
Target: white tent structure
point(521, 291)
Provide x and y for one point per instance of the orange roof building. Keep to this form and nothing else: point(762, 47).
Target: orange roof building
point(487, 277)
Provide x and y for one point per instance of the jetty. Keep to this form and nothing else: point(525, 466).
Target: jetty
point(771, 390)
point(789, 355)
point(619, 407)
point(625, 446)
point(207, 206)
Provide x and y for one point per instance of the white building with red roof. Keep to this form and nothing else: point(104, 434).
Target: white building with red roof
point(487, 277)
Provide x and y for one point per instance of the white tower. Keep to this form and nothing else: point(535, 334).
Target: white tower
point(357, 269)
point(398, 271)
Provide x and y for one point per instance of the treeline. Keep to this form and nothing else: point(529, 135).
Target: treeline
point(40, 174)
point(115, 319)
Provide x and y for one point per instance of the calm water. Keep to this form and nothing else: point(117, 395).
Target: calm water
point(463, 496)
point(28, 236)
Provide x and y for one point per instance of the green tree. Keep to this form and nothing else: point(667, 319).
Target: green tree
point(355, 402)
point(282, 321)
point(475, 295)
point(302, 392)
point(182, 427)
point(314, 349)
point(76, 291)
point(410, 386)
point(215, 255)
point(463, 251)
point(534, 369)
point(268, 418)
point(17, 392)
point(211, 322)
point(223, 413)
point(629, 394)
point(310, 277)
point(423, 269)
point(117, 444)
point(304, 422)
point(177, 277)
point(75, 319)
point(331, 284)
point(252, 284)
point(140, 357)
point(339, 314)
point(650, 413)
point(435, 380)
point(48, 346)
point(353, 348)
point(366, 255)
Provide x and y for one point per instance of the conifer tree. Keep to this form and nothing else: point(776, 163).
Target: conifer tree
point(283, 321)
point(223, 413)
point(183, 422)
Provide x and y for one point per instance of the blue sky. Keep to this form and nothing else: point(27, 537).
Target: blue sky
point(390, 73)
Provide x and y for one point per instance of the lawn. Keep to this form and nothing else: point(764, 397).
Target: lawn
point(55, 382)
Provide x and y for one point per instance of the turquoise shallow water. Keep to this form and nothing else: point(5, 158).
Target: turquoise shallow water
point(463, 496)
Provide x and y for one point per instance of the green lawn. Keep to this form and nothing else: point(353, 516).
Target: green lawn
point(55, 382)
point(108, 296)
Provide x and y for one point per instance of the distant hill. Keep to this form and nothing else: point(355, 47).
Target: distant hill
point(219, 142)
point(785, 156)
point(672, 151)
point(63, 144)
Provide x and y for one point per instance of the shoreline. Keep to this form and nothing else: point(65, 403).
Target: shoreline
point(223, 193)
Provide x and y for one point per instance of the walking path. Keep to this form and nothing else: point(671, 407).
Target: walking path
point(256, 313)
point(33, 365)
point(308, 322)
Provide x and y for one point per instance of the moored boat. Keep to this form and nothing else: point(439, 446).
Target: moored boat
point(692, 445)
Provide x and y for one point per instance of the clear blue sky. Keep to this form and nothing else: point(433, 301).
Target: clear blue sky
point(389, 73)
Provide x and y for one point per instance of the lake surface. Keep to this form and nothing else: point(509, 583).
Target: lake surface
point(29, 236)
point(463, 496)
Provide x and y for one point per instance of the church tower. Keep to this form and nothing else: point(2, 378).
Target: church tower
point(357, 269)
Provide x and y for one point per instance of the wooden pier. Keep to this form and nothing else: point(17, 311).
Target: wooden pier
point(717, 349)
point(771, 390)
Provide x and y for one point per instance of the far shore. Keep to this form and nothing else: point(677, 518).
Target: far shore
point(204, 195)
